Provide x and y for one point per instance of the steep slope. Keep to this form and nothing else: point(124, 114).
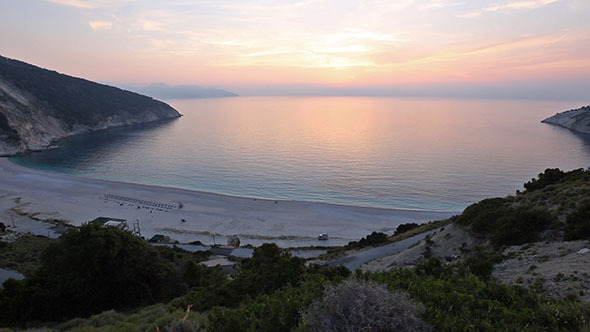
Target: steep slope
point(576, 120)
point(38, 106)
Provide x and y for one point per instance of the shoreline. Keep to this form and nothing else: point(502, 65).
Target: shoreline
point(207, 217)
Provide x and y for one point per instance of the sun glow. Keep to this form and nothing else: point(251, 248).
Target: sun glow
point(372, 42)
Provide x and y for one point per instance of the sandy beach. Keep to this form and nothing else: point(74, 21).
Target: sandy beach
point(29, 195)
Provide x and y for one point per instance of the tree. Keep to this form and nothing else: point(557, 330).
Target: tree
point(269, 269)
point(91, 269)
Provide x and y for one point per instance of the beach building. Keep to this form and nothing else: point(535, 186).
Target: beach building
point(111, 222)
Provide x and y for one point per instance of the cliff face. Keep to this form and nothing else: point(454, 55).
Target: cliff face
point(38, 106)
point(576, 120)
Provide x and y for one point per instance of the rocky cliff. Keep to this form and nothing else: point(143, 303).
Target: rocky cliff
point(576, 120)
point(38, 106)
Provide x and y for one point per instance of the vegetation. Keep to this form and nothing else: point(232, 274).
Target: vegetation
point(363, 306)
point(91, 269)
point(94, 269)
point(578, 224)
point(456, 300)
point(522, 218)
point(405, 228)
point(24, 254)
point(550, 176)
point(371, 240)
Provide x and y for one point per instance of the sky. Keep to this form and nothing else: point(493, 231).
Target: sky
point(481, 48)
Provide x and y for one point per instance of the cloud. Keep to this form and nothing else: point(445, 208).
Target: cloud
point(72, 3)
point(100, 25)
point(524, 4)
point(91, 4)
point(441, 4)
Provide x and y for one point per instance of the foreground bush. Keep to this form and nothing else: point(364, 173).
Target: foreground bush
point(91, 269)
point(362, 306)
point(456, 300)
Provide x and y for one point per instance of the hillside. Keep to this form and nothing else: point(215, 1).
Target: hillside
point(577, 119)
point(538, 237)
point(518, 263)
point(38, 106)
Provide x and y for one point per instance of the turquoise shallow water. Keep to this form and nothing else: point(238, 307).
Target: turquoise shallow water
point(432, 154)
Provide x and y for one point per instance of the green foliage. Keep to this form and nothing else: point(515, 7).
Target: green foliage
point(549, 177)
point(269, 269)
point(373, 239)
point(24, 254)
point(578, 224)
point(520, 225)
point(77, 100)
point(482, 215)
point(280, 311)
point(481, 263)
point(95, 268)
point(405, 228)
point(504, 224)
point(456, 300)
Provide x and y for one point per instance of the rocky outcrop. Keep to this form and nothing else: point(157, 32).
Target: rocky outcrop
point(577, 120)
point(39, 106)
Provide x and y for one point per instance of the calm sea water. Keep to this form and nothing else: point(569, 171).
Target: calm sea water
point(434, 154)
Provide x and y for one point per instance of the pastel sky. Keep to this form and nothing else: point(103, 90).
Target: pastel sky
point(247, 45)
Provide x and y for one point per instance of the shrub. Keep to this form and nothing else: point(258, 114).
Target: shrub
point(179, 325)
point(88, 270)
point(372, 239)
point(459, 301)
point(482, 215)
point(503, 224)
point(578, 224)
point(405, 228)
point(519, 226)
point(280, 311)
point(362, 306)
point(269, 269)
point(550, 176)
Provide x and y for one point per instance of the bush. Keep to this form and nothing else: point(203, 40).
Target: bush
point(456, 300)
point(179, 325)
point(578, 224)
point(550, 176)
point(372, 239)
point(405, 228)
point(91, 269)
point(482, 215)
point(280, 311)
point(362, 306)
point(503, 224)
point(269, 269)
point(519, 226)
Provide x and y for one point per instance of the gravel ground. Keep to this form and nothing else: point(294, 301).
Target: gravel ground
point(559, 268)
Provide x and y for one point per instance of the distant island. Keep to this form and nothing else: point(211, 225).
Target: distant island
point(165, 91)
point(577, 119)
point(38, 106)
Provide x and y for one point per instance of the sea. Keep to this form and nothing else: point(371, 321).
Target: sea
point(403, 153)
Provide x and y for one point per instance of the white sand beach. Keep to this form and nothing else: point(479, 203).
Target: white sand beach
point(28, 195)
